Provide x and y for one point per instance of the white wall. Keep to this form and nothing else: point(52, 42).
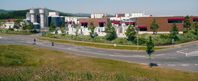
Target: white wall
point(97, 15)
point(8, 25)
point(53, 14)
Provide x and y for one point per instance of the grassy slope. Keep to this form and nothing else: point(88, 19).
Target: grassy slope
point(98, 45)
point(27, 63)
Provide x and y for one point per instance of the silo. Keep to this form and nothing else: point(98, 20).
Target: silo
point(42, 18)
point(32, 15)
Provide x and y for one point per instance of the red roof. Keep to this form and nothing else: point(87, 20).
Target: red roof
point(131, 23)
point(142, 27)
point(195, 18)
point(116, 22)
point(10, 20)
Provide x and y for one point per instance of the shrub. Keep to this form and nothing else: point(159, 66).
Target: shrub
point(123, 41)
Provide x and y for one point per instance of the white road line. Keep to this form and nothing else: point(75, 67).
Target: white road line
point(159, 64)
point(182, 52)
point(159, 54)
point(184, 64)
point(0, 37)
point(171, 64)
point(193, 53)
point(196, 64)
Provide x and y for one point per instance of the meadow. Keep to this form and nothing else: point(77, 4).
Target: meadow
point(30, 63)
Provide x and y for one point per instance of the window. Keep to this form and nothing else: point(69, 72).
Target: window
point(142, 28)
point(175, 20)
point(101, 24)
point(130, 23)
point(195, 19)
point(84, 24)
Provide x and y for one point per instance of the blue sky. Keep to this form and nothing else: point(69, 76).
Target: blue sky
point(153, 7)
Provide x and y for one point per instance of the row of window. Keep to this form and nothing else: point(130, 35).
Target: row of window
point(180, 21)
point(85, 24)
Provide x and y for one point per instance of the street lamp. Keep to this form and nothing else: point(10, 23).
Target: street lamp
point(137, 30)
point(173, 41)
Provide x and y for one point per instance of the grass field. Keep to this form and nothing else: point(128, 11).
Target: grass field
point(99, 45)
point(28, 63)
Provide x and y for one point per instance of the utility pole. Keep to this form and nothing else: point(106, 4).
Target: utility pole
point(137, 30)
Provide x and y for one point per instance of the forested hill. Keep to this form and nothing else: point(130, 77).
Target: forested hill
point(21, 14)
point(14, 14)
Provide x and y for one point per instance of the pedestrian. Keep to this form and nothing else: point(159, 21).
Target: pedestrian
point(52, 43)
point(34, 41)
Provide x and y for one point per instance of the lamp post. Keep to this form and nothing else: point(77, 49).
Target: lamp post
point(173, 42)
point(137, 30)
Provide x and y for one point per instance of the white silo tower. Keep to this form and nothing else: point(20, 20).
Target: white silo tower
point(42, 18)
point(32, 15)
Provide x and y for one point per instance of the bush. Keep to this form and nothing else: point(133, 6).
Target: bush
point(189, 36)
point(162, 39)
point(141, 41)
point(123, 41)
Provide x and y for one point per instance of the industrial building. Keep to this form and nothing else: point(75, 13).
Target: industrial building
point(43, 18)
point(165, 23)
point(55, 19)
point(74, 25)
point(38, 16)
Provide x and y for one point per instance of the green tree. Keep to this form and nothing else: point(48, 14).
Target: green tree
point(92, 33)
point(130, 33)
point(186, 24)
point(150, 47)
point(24, 27)
point(174, 32)
point(77, 27)
point(30, 27)
point(154, 26)
point(17, 24)
point(195, 28)
point(62, 28)
point(1, 22)
point(110, 32)
point(27, 26)
point(52, 28)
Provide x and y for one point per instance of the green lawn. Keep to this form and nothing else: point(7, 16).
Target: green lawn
point(99, 45)
point(12, 32)
point(29, 63)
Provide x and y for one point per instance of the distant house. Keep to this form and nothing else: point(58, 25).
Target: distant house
point(8, 23)
point(99, 24)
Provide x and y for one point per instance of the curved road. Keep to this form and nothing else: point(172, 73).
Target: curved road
point(184, 58)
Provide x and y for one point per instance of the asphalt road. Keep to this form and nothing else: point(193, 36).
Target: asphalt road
point(183, 58)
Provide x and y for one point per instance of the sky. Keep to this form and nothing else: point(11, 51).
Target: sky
point(151, 7)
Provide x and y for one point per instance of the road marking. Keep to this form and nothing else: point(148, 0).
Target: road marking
point(182, 51)
point(171, 65)
point(159, 64)
point(127, 56)
point(159, 54)
point(196, 64)
point(193, 53)
point(184, 64)
point(0, 37)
